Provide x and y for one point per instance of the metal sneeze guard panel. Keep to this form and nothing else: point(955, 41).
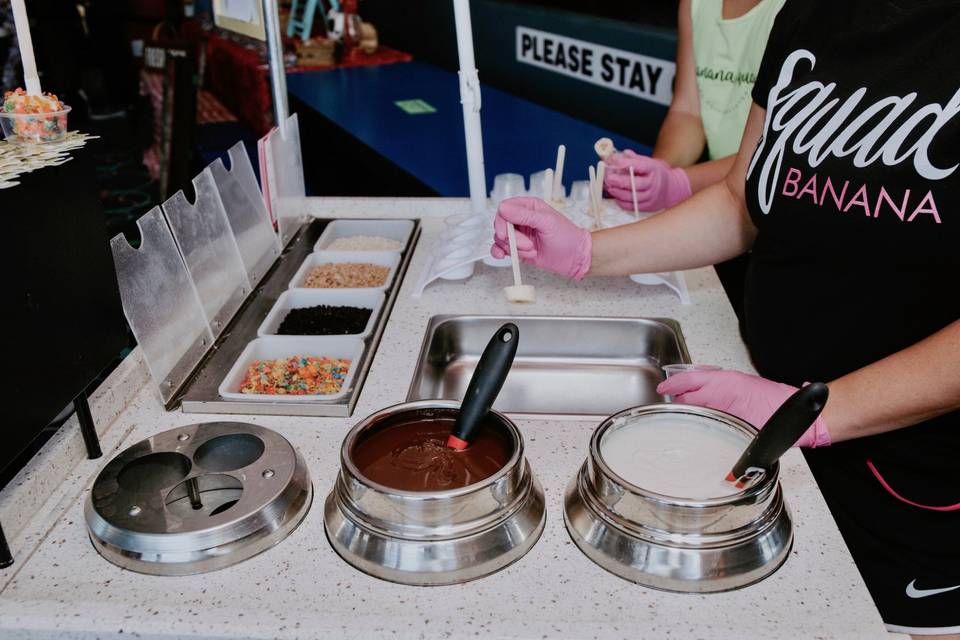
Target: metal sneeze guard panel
point(209, 250)
point(161, 303)
point(246, 213)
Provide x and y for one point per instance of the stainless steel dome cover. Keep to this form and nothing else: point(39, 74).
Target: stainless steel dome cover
point(197, 498)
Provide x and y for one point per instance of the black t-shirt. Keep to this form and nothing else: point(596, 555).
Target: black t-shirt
point(854, 188)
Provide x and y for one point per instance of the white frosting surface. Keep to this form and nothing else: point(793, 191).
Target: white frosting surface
point(674, 455)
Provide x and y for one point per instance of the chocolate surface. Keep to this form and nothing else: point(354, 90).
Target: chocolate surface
point(413, 456)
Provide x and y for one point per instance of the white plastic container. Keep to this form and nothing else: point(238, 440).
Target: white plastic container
point(274, 347)
point(399, 230)
point(300, 298)
point(457, 264)
point(383, 258)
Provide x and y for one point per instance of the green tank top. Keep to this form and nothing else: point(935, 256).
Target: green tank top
point(727, 55)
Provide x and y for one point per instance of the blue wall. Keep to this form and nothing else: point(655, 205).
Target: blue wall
point(426, 30)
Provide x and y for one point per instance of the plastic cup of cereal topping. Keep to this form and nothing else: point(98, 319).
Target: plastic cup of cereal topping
point(35, 128)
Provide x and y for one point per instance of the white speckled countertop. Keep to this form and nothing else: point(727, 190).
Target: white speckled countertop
point(60, 587)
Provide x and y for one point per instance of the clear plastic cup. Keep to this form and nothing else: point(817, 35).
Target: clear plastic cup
point(35, 128)
point(560, 195)
point(537, 184)
point(673, 369)
point(580, 191)
point(507, 185)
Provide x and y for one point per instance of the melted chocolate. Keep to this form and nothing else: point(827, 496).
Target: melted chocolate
point(413, 456)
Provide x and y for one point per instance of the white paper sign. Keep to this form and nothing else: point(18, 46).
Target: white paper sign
point(240, 16)
point(244, 10)
point(631, 73)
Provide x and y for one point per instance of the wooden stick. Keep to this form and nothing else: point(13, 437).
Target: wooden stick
point(601, 170)
point(25, 42)
point(558, 172)
point(514, 260)
point(594, 205)
point(519, 292)
point(633, 191)
point(548, 185)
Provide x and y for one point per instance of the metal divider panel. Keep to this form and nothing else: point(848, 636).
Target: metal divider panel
point(248, 219)
point(209, 250)
point(161, 303)
point(242, 170)
point(285, 173)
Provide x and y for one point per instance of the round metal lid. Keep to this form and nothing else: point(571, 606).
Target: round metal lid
point(198, 498)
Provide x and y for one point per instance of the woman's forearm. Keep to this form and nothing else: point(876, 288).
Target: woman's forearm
point(681, 140)
point(704, 174)
point(710, 227)
point(910, 386)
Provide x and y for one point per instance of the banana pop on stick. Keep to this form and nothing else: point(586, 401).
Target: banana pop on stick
point(604, 148)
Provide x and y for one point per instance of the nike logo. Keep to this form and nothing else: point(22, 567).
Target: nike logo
point(913, 592)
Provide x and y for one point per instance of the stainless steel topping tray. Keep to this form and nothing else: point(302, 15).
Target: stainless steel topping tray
point(201, 395)
point(566, 367)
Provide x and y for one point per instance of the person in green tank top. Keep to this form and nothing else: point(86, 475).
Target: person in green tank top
point(720, 44)
point(719, 47)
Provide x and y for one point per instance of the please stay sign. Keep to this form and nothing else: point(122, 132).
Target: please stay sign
point(631, 73)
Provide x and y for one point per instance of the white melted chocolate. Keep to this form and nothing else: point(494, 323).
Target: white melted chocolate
point(674, 455)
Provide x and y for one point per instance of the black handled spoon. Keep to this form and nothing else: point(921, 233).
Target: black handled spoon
point(487, 380)
point(781, 431)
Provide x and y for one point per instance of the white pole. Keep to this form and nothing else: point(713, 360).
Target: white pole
point(25, 43)
point(470, 99)
point(278, 73)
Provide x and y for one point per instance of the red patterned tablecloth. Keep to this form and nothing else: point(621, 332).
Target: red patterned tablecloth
point(238, 88)
point(209, 110)
point(239, 77)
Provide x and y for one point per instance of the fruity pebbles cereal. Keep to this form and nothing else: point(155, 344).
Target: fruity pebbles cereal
point(33, 118)
point(296, 375)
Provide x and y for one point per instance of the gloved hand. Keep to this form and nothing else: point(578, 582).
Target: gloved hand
point(748, 397)
point(545, 237)
point(659, 186)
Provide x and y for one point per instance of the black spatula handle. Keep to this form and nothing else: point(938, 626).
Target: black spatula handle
point(783, 429)
point(487, 380)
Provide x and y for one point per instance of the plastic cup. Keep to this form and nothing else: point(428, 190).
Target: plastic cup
point(580, 191)
point(674, 369)
point(561, 194)
point(537, 184)
point(35, 128)
point(507, 185)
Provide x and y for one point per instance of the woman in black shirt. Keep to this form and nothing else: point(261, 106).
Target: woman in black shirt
point(846, 189)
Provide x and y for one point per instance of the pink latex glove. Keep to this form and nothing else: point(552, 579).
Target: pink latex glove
point(545, 237)
point(750, 398)
point(659, 186)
